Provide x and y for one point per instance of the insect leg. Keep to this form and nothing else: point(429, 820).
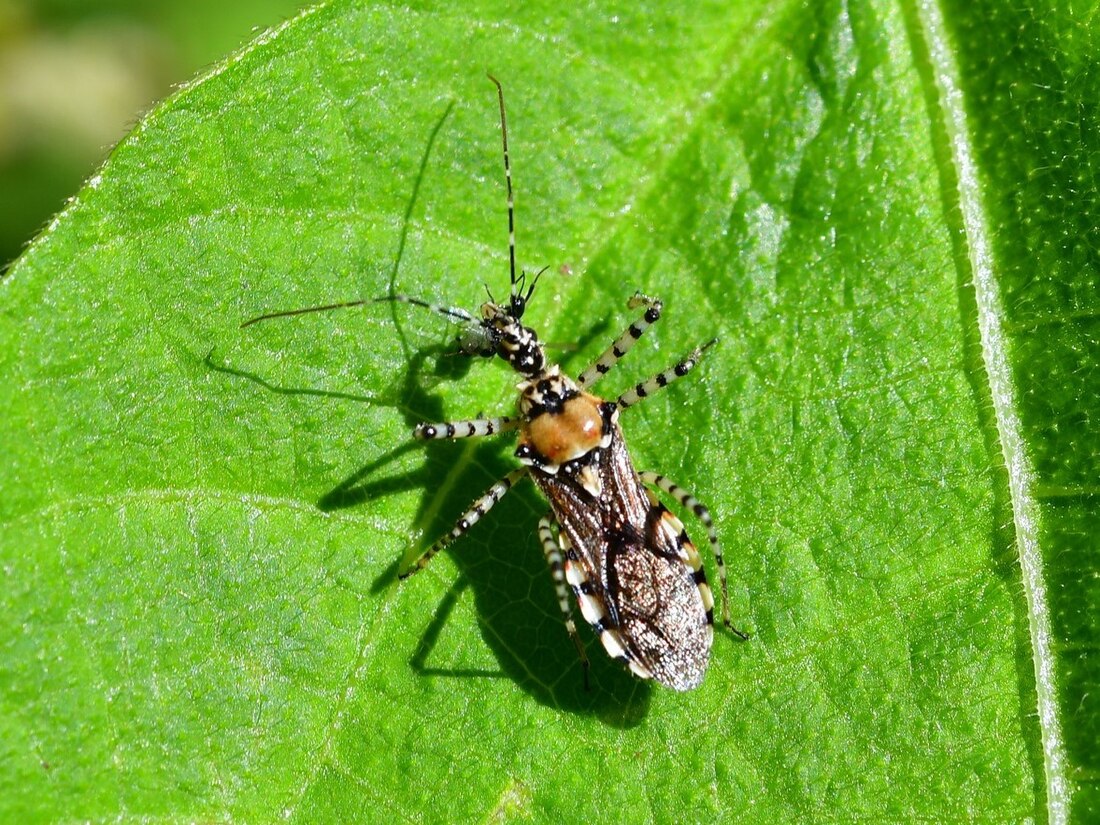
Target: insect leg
point(689, 501)
point(591, 601)
point(624, 342)
point(663, 379)
point(479, 508)
point(466, 429)
point(552, 550)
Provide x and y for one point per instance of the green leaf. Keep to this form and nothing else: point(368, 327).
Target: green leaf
point(886, 212)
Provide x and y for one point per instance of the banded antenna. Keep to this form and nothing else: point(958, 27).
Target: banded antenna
point(518, 298)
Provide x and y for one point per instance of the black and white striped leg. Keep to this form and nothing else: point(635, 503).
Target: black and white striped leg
point(686, 499)
point(663, 379)
point(624, 342)
point(590, 600)
point(552, 550)
point(466, 429)
point(471, 517)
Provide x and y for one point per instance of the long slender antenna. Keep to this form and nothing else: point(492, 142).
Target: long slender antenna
point(461, 315)
point(451, 312)
point(286, 313)
point(508, 180)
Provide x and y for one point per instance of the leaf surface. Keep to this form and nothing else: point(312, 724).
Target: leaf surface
point(201, 524)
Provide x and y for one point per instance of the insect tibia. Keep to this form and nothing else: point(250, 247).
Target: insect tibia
point(622, 345)
point(468, 519)
point(552, 548)
point(465, 429)
point(662, 379)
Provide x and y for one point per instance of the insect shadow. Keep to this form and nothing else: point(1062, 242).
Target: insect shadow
point(500, 563)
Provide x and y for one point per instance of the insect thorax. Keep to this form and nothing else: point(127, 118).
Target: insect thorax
point(564, 428)
point(501, 333)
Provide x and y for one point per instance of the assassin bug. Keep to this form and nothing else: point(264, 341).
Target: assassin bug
point(638, 579)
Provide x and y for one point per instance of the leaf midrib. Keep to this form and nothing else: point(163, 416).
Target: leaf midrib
point(1003, 394)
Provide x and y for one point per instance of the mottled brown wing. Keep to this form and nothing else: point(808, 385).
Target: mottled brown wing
point(659, 607)
point(628, 562)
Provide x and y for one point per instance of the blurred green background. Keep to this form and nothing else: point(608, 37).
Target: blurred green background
point(76, 75)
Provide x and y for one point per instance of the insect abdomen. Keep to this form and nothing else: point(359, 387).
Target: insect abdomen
point(637, 578)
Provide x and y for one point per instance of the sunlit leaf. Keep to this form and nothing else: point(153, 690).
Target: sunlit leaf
point(200, 525)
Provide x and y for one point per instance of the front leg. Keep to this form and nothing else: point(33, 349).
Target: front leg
point(624, 342)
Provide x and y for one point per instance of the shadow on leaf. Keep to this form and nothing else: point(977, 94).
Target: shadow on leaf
point(507, 575)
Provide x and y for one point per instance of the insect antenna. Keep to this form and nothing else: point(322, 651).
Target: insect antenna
point(518, 301)
point(287, 313)
point(453, 313)
point(450, 312)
